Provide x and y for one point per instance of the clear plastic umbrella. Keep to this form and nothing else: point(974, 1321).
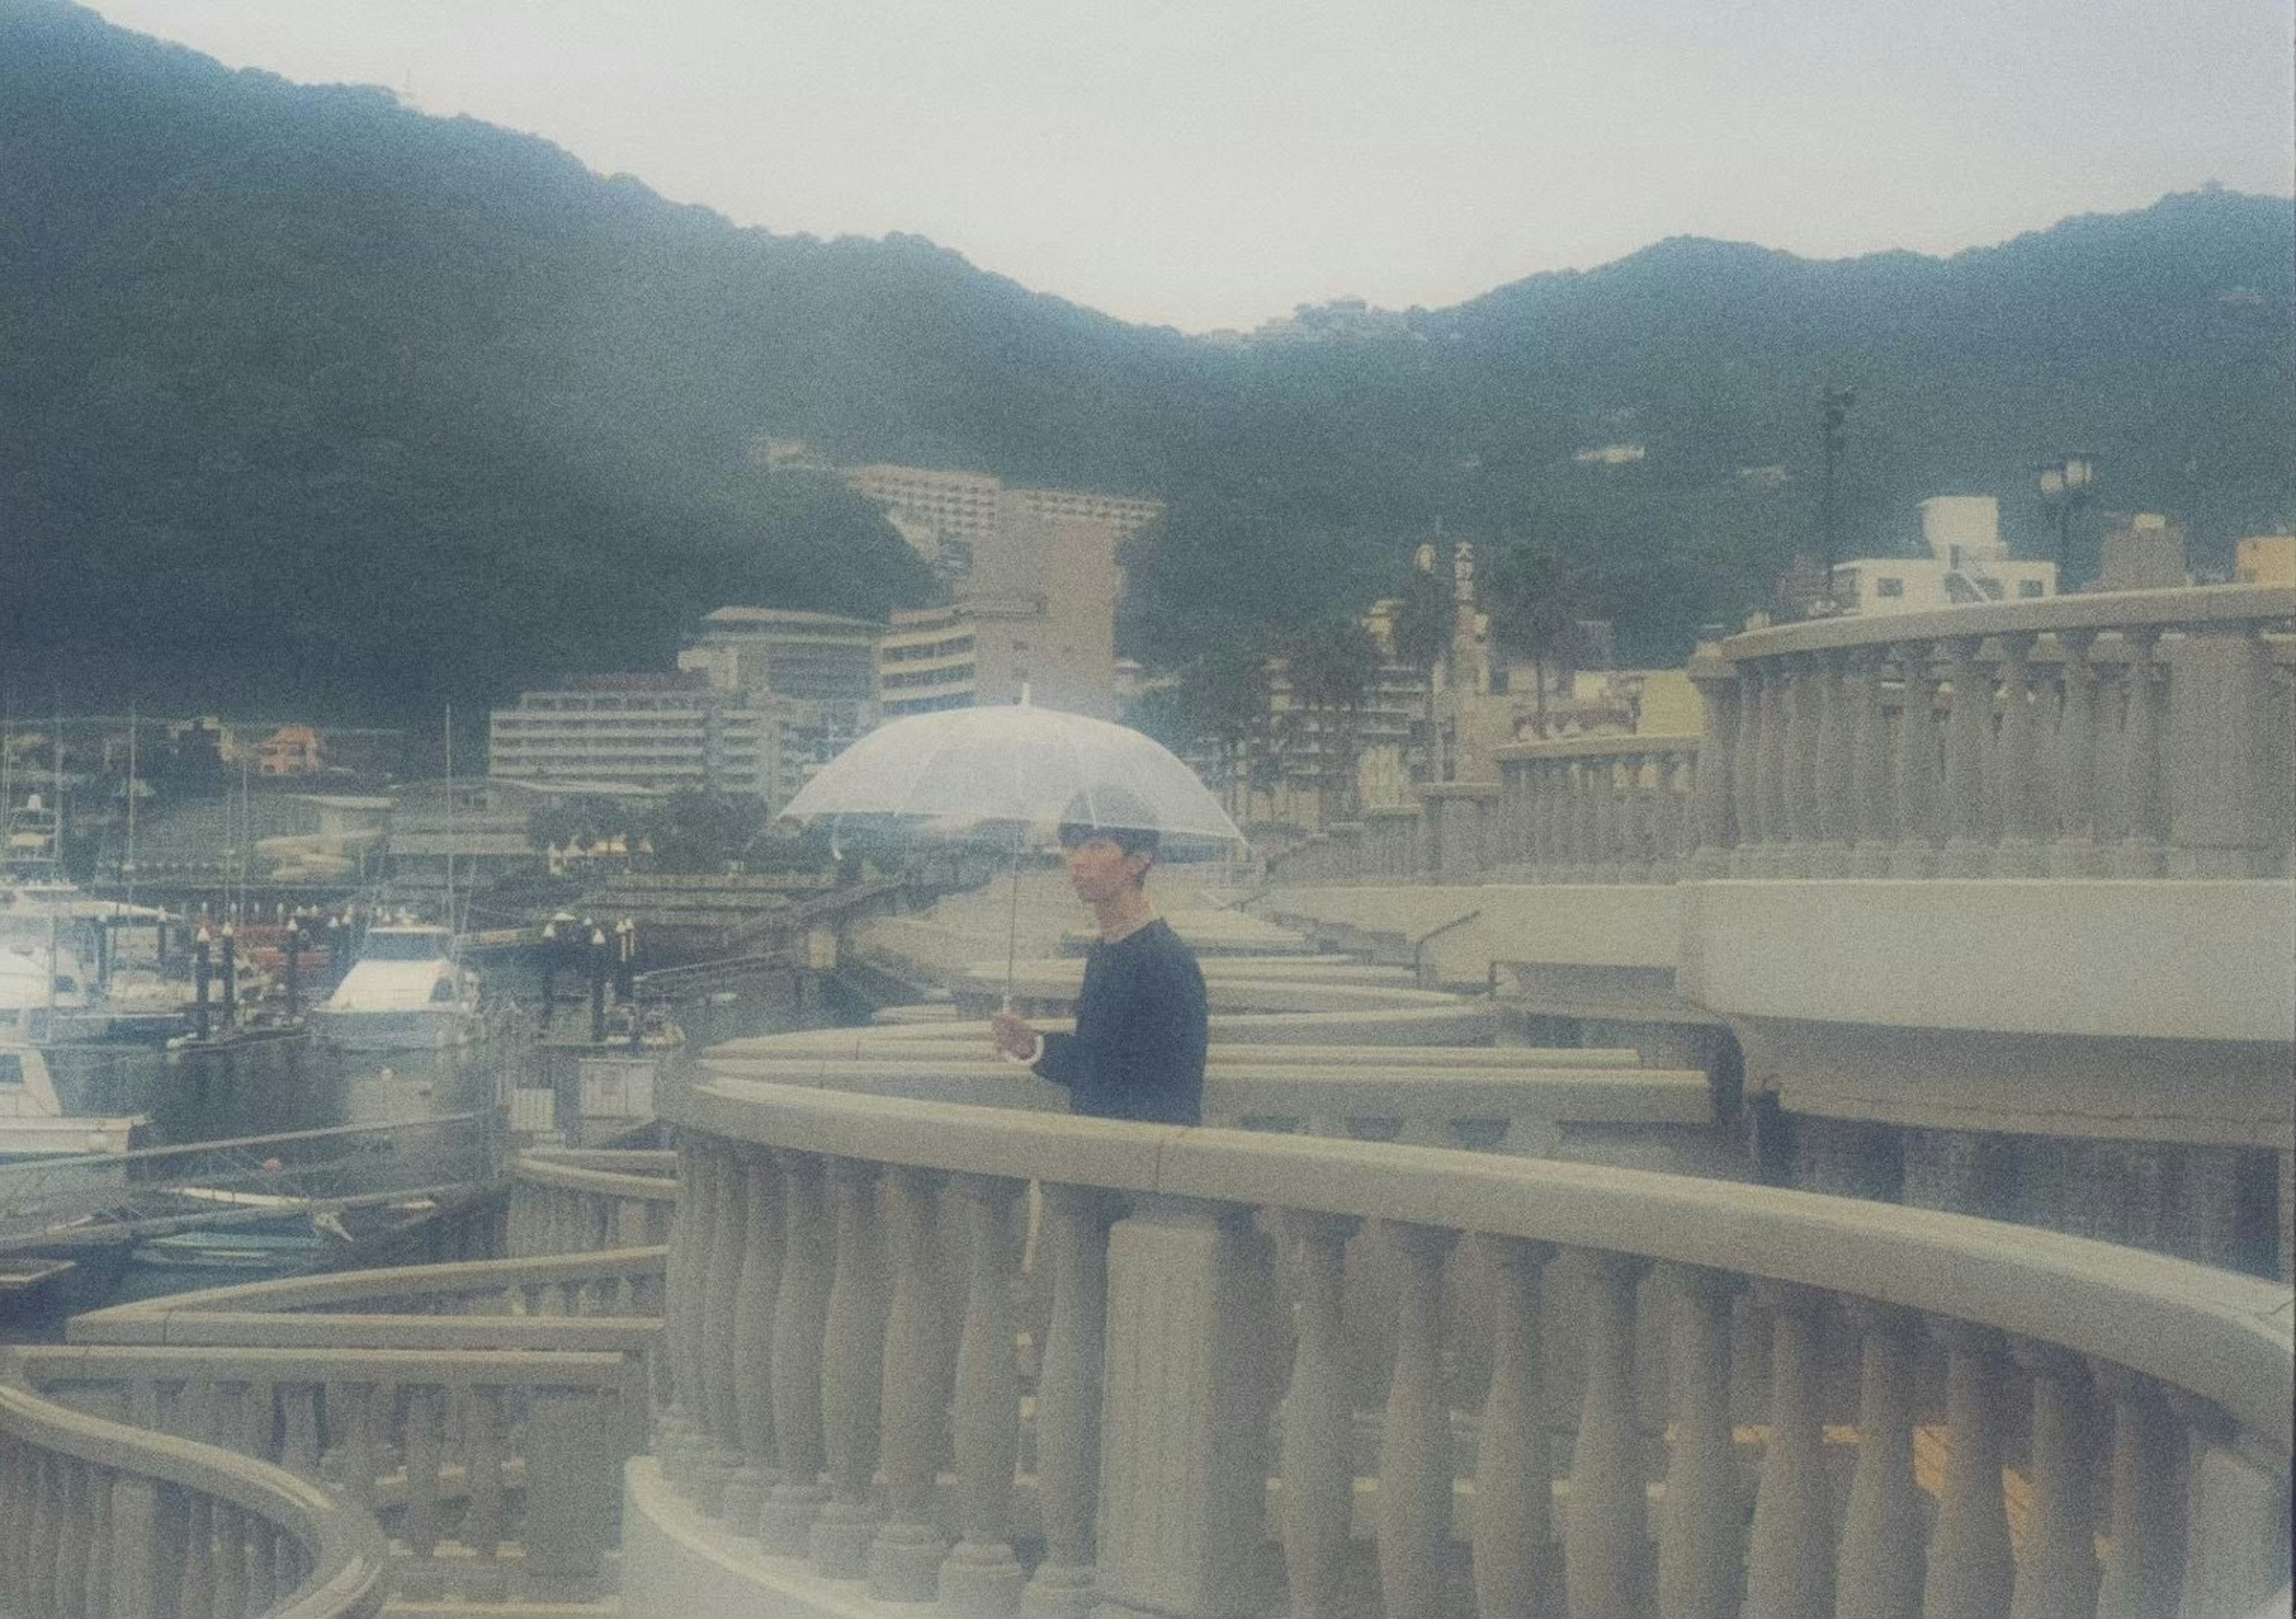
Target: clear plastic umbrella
point(1018, 766)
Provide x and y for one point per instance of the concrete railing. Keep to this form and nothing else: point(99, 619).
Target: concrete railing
point(482, 1409)
point(2136, 734)
point(570, 1201)
point(1808, 1370)
point(100, 1519)
point(1594, 809)
point(2129, 734)
point(464, 1455)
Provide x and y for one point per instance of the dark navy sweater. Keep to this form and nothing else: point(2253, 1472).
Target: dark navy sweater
point(1138, 1049)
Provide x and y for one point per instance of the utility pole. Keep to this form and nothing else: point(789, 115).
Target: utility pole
point(1833, 404)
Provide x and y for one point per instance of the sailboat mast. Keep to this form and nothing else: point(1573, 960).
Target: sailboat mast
point(451, 930)
point(130, 862)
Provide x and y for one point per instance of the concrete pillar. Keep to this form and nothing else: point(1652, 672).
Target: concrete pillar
point(1968, 739)
point(1713, 783)
point(2139, 853)
point(2016, 764)
point(1517, 1564)
point(1789, 1553)
point(1183, 1470)
point(1879, 1566)
point(1701, 1549)
point(2219, 815)
point(1914, 797)
point(1746, 773)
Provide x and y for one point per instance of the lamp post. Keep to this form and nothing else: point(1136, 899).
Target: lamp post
point(2066, 484)
point(1834, 416)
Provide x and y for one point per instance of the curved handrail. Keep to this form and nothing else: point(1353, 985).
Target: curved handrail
point(351, 1558)
point(2225, 1337)
point(1597, 747)
point(365, 1286)
point(2212, 604)
point(537, 1171)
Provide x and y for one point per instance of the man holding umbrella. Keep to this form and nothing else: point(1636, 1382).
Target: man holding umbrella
point(1138, 1049)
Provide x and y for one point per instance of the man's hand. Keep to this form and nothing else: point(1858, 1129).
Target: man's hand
point(1013, 1037)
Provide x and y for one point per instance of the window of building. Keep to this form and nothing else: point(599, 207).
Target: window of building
point(1889, 587)
point(2028, 588)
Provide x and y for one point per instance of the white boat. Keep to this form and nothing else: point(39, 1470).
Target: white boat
point(34, 1125)
point(407, 991)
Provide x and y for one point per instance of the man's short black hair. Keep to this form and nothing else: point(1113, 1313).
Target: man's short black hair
point(1112, 813)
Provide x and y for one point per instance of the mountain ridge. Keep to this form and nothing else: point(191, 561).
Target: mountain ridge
point(318, 390)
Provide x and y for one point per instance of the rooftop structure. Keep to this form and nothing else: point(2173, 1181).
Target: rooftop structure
point(1968, 563)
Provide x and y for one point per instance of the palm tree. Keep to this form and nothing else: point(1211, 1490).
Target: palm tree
point(1534, 596)
point(1425, 618)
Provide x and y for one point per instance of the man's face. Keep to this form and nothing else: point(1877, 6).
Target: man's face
point(1099, 869)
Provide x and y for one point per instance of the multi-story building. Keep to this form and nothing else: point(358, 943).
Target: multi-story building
point(645, 729)
point(1968, 564)
point(814, 673)
point(292, 751)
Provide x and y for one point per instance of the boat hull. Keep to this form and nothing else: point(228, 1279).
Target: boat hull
point(424, 1029)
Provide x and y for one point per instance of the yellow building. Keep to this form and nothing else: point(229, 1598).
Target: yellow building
point(2266, 558)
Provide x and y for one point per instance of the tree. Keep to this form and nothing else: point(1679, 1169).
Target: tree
point(1425, 618)
point(1331, 664)
point(1535, 597)
point(578, 824)
point(697, 832)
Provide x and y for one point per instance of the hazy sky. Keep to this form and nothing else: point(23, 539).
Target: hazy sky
point(1214, 162)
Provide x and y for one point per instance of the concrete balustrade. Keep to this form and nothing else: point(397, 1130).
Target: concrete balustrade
point(98, 1519)
point(569, 1201)
point(495, 1469)
point(1827, 1365)
point(2126, 734)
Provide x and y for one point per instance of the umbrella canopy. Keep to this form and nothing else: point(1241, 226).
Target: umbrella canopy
point(1019, 763)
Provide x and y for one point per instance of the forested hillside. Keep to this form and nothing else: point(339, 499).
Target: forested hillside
point(309, 394)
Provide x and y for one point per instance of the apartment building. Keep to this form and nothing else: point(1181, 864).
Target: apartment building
point(641, 730)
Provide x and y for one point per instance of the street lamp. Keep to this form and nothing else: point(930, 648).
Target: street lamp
point(1834, 416)
point(2067, 484)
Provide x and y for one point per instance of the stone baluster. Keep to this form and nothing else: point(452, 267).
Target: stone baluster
point(1748, 774)
point(1633, 839)
point(905, 1559)
point(230, 1561)
point(2236, 1538)
point(486, 1521)
point(683, 1287)
point(2139, 851)
point(800, 1308)
point(298, 1443)
point(1586, 823)
point(2058, 1573)
point(1517, 1566)
point(2074, 781)
point(1604, 1564)
point(1971, 1571)
point(1834, 773)
point(2144, 1569)
point(1871, 814)
point(2016, 763)
point(1914, 777)
point(1562, 819)
point(1068, 1403)
point(981, 1574)
point(1530, 813)
point(1714, 782)
point(1805, 771)
point(1318, 1471)
point(1968, 737)
point(1777, 779)
point(350, 1460)
point(852, 1376)
point(1789, 1563)
point(1701, 1549)
point(574, 1447)
point(135, 1548)
point(1415, 1451)
point(2220, 783)
point(753, 1341)
point(419, 1526)
point(1878, 1572)
point(727, 1190)
point(72, 1544)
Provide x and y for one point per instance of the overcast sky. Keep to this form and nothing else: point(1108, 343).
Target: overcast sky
point(1213, 162)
